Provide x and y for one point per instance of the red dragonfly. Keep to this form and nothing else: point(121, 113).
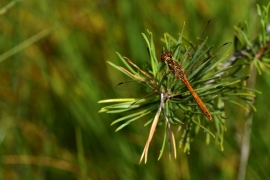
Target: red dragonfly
point(180, 73)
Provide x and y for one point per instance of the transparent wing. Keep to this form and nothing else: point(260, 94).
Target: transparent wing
point(128, 86)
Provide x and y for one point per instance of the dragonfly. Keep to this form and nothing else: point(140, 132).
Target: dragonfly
point(180, 73)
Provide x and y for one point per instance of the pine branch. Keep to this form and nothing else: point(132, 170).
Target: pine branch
point(167, 94)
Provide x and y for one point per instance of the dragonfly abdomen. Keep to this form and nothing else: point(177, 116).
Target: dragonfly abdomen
point(197, 98)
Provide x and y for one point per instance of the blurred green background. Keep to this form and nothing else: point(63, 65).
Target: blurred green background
point(50, 84)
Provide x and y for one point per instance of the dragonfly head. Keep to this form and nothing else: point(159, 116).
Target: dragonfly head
point(166, 56)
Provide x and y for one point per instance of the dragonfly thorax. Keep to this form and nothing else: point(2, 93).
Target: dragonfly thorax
point(174, 66)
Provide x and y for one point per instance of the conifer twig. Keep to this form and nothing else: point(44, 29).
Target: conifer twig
point(245, 145)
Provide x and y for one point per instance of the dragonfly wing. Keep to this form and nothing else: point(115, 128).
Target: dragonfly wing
point(193, 51)
point(217, 54)
point(207, 30)
point(135, 87)
point(204, 35)
point(211, 59)
point(128, 86)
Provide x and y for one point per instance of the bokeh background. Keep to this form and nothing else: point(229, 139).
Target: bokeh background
point(53, 72)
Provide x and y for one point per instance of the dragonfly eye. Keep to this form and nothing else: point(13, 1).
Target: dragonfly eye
point(169, 54)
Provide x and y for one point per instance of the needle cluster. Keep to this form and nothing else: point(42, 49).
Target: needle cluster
point(168, 100)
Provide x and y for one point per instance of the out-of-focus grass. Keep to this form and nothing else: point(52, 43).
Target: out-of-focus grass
point(49, 126)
